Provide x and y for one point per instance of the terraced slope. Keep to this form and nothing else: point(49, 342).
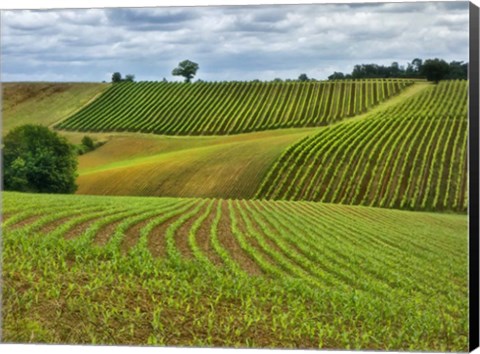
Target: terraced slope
point(228, 108)
point(412, 155)
point(84, 269)
point(44, 102)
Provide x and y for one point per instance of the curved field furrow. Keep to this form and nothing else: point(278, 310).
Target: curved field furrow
point(224, 108)
point(153, 235)
point(198, 238)
point(252, 244)
point(227, 245)
point(383, 270)
point(396, 247)
point(409, 155)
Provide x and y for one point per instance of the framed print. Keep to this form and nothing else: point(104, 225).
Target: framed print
point(281, 176)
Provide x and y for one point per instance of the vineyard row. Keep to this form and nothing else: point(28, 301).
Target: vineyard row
point(410, 156)
point(228, 108)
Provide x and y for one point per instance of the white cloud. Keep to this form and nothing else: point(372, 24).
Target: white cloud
point(228, 42)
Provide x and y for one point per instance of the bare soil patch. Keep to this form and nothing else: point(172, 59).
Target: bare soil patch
point(79, 229)
point(25, 222)
point(204, 241)
point(156, 238)
point(132, 235)
point(53, 225)
point(230, 243)
point(105, 232)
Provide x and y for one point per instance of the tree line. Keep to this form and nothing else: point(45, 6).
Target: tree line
point(430, 69)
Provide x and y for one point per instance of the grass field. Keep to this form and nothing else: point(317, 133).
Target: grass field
point(229, 108)
point(410, 155)
point(205, 272)
point(44, 103)
point(228, 167)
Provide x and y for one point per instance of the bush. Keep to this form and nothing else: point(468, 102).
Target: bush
point(88, 143)
point(36, 159)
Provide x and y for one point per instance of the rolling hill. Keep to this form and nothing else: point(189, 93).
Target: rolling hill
point(412, 155)
point(228, 108)
point(216, 166)
point(44, 103)
point(193, 166)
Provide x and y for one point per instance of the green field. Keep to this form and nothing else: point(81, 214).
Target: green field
point(218, 166)
point(204, 272)
point(44, 103)
point(257, 215)
point(228, 108)
point(411, 155)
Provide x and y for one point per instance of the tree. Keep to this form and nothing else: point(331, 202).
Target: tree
point(435, 69)
point(129, 78)
point(336, 76)
point(36, 159)
point(116, 77)
point(303, 77)
point(187, 69)
point(417, 65)
point(88, 143)
point(458, 70)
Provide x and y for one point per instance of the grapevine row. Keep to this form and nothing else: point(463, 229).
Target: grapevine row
point(228, 108)
point(411, 155)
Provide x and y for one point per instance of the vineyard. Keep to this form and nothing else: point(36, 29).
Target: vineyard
point(412, 155)
point(203, 272)
point(228, 108)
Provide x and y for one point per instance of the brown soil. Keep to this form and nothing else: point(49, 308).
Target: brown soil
point(132, 235)
point(105, 232)
point(204, 240)
point(181, 235)
point(25, 222)
point(156, 238)
point(252, 240)
point(51, 226)
point(6, 216)
point(79, 229)
point(230, 243)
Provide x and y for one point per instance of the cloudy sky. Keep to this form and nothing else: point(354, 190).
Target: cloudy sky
point(228, 42)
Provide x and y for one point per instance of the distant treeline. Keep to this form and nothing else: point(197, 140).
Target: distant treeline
point(430, 69)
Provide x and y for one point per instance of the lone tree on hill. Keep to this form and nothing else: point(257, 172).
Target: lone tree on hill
point(435, 69)
point(187, 69)
point(36, 159)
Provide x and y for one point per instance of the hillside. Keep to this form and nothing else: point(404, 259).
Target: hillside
point(215, 166)
point(228, 108)
point(44, 103)
point(412, 155)
point(205, 272)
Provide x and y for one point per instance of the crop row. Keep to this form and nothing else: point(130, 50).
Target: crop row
point(228, 108)
point(410, 156)
point(228, 272)
point(342, 247)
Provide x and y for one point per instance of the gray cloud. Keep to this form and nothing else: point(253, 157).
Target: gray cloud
point(229, 43)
